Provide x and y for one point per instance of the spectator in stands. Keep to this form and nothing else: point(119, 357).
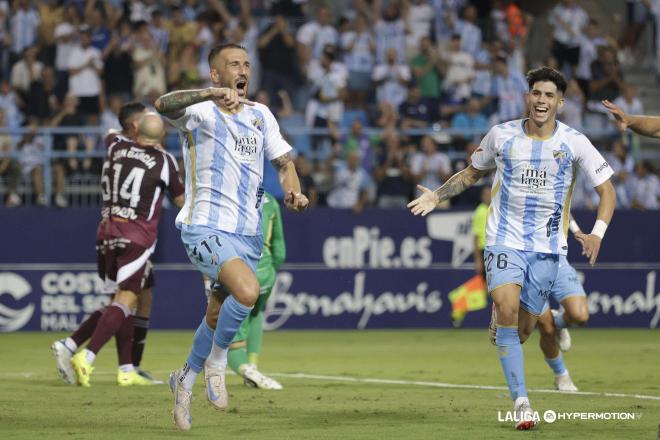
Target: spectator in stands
point(148, 63)
point(567, 20)
point(628, 101)
point(606, 83)
point(5, 41)
point(429, 166)
point(470, 33)
point(182, 32)
point(307, 184)
point(65, 42)
point(482, 85)
point(359, 49)
point(118, 54)
point(23, 24)
point(357, 140)
point(427, 68)
point(190, 9)
point(392, 175)
point(419, 16)
point(446, 14)
point(10, 103)
point(471, 119)
point(572, 111)
point(417, 111)
point(314, 35)
point(390, 31)
point(185, 74)
point(327, 78)
point(350, 183)
point(110, 116)
point(391, 79)
point(42, 102)
point(69, 116)
point(457, 83)
point(644, 187)
point(10, 169)
point(588, 54)
point(85, 67)
point(26, 70)
point(277, 53)
point(31, 148)
point(623, 166)
point(50, 15)
point(386, 115)
point(509, 89)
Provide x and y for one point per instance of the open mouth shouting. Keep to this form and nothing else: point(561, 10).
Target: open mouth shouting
point(541, 110)
point(241, 86)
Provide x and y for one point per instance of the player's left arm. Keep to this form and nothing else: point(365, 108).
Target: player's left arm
point(591, 242)
point(290, 183)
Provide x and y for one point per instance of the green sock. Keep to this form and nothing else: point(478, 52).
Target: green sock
point(255, 337)
point(237, 357)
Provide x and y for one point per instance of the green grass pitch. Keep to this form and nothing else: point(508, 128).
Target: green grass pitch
point(35, 404)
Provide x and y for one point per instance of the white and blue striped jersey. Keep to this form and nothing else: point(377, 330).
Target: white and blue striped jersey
point(224, 165)
point(533, 184)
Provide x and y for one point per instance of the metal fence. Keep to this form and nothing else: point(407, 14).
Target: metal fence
point(82, 188)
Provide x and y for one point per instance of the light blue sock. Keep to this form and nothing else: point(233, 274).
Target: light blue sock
point(559, 320)
point(557, 364)
point(511, 358)
point(201, 347)
point(232, 314)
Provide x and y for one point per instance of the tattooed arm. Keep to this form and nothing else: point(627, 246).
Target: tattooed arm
point(286, 171)
point(458, 183)
point(173, 105)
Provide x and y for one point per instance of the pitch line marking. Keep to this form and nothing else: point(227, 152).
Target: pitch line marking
point(370, 380)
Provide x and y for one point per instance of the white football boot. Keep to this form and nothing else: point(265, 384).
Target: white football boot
point(256, 379)
point(63, 361)
point(524, 414)
point(563, 382)
point(216, 389)
point(182, 399)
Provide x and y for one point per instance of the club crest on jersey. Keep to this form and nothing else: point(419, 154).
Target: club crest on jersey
point(258, 124)
point(560, 156)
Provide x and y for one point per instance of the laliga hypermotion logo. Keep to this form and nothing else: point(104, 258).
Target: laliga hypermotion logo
point(454, 227)
point(18, 288)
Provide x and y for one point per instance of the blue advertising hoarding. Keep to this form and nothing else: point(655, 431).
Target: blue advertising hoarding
point(380, 269)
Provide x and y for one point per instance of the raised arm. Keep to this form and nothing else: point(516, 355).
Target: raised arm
point(173, 105)
point(640, 124)
point(458, 183)
point(288, 177)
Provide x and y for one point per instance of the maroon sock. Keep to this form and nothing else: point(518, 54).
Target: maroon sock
point(124, 339)
point(140, 328)
point(112, 319)
point(87, 328)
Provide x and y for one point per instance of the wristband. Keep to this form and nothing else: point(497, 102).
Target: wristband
point(599, 229)
point(573, 226)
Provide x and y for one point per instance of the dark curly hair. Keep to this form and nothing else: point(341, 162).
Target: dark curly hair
point(546, 74)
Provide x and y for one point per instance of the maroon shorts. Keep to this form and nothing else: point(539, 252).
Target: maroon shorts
point(124, 265)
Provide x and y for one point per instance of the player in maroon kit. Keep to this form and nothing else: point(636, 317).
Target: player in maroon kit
point(63, 349)
point(134, 178)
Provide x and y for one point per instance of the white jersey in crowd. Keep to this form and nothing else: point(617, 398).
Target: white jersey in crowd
point(224, 165)
point(533, 184)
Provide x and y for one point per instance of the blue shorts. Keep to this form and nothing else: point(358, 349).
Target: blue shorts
point(209, 249)
point(567, 282)
point(534, 272)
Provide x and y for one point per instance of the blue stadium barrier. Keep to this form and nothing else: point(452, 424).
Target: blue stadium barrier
point(379, 269)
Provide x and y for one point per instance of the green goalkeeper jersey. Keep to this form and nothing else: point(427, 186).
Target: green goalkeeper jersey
point(274, 249)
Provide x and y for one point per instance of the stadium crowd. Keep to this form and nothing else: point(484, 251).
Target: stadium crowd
point(398, 92)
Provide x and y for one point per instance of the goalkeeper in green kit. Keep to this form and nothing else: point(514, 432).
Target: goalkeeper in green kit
point(246, 346)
